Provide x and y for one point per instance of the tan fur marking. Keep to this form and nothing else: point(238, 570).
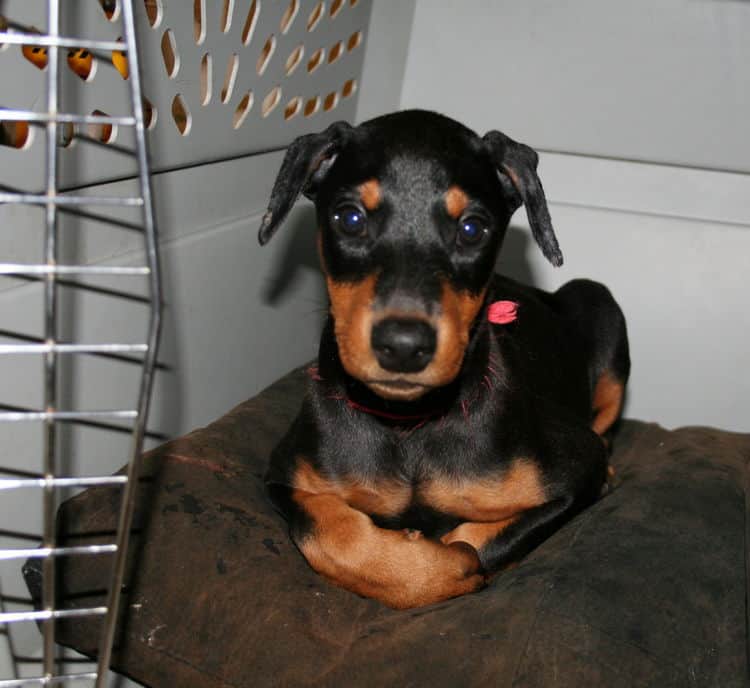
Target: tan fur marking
point(401, 571)
point(351, 307)
point(384, 497)
point(456, 201)
point(490, 499)
point(352, 310)
point(607, 403)
point(477, 534)
point(370, 194)
point(458, 312)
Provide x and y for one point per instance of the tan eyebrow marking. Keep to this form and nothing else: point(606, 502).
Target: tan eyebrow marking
point(370, 194)
point(456, 201)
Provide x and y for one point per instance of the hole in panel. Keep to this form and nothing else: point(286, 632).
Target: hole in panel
point(111, 9)
point(265, 54)
point(354, 40)
point(349, 88)
point(120, 62)
point(271, 101)
point(16, 134)
point(335, 52)
point(294, 59)
point(206, 78)
point(243, 109)
point(289, 15)
point(316, 15)
point(250, 22)
point(181, 115)
point(67, 134)
point(336, 6)
point(154, 12)
point(233, 65)
point(227, 11)
point(314, 62)
point(149, 114)
point(331, 101)
point(104, 133)
point(199, 21)
point(36, 54)
point(169, 53)
point(82, 63)
point(293, 107)
point(311, 106)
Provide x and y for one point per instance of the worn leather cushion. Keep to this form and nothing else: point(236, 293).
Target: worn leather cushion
point(646, 588)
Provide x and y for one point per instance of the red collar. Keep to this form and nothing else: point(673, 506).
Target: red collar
point(409, 418)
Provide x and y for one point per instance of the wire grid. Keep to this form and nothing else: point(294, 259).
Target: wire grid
point(51, 348)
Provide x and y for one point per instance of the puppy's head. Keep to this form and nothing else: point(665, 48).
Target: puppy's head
point(412, 210)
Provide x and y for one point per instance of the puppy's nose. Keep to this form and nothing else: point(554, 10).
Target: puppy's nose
point(403, 345)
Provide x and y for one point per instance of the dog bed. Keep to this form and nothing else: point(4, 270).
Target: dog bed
point(645, 588)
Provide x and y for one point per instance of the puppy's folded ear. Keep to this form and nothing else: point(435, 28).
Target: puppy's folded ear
point(516, 165)
point(305, 164)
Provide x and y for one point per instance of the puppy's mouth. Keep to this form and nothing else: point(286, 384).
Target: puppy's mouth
point(398, 389)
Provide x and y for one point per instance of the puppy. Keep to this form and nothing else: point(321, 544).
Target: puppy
point(455, 418)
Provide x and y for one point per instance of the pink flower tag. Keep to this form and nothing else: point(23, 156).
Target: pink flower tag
point(502, 312)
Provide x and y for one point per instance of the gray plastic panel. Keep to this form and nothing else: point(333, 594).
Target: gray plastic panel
point(663, 82)
point(308, 98)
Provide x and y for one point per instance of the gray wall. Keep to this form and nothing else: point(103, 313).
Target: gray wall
point(640, 110)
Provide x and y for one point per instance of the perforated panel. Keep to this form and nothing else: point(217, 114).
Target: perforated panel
point(222, 78)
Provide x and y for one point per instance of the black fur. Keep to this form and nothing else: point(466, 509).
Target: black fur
point(524, 388)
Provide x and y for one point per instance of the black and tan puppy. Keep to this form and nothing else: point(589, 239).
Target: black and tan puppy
point(455, 418)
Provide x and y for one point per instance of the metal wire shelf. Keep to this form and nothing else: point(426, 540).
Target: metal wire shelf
point(49, 346)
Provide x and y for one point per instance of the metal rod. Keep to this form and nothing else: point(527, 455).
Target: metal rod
point(15, 617)
point(154, 331)
point(51, 199)
point(14, 416)
point(18, 483)
point(94, 289)
point(46, 552)
point(10, 334)
point(55, 41)
point(31, 116)
point(12, 652)
point(42, 681)
point(50, 358)
point(24, 269)
point(97, 424)
point(72, 348)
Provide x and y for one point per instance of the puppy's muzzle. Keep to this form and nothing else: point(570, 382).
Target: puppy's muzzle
point(403, 345)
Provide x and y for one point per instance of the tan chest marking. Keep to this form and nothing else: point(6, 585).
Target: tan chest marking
point(489, 499)
point(382, 497)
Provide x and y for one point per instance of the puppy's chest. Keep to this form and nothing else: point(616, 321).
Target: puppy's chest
point(493, 494)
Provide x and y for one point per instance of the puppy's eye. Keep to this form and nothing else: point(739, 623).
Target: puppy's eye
point(471, 230)
point(349, 220)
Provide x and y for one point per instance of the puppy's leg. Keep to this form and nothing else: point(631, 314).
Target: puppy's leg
point(400, 570)
point(501, 544)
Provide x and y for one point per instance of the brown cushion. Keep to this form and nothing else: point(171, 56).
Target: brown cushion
point(647, 587)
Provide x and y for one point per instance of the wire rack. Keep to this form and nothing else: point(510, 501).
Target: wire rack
point(50, 347)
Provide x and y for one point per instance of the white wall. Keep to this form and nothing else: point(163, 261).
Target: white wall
point(609, 84)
